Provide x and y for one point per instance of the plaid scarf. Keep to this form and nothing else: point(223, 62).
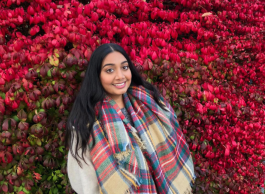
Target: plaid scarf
point(150, 157)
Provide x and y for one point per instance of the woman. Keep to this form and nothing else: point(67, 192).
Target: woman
point(122, 135)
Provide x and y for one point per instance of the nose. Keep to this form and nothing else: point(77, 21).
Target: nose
point(119, 74)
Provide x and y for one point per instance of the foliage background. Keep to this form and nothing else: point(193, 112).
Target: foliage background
point(205, 56)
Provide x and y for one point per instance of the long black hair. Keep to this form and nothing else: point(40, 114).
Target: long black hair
point(82, 116)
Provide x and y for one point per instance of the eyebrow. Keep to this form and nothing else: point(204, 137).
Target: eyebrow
point(111, 64)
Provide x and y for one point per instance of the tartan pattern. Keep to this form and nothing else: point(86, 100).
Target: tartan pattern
point(164, 166)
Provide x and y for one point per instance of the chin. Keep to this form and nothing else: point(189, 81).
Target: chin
point(122, 92)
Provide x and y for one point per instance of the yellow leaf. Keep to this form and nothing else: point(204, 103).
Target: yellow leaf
point(206, 14)
point(56, 52)
point(53, 60)
point(38, 141)
point(215, 100)
point(56, 61)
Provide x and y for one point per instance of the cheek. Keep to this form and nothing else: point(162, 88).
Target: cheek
point(129, 75)
point(105, 80)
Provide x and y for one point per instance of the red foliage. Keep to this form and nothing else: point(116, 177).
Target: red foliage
point(206, 57)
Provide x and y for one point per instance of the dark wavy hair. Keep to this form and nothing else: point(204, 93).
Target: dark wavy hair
point(92, 92)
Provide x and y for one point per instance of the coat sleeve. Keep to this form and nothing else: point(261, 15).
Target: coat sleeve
point(83, 180)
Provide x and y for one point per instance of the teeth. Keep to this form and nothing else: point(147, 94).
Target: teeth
point(118, 84)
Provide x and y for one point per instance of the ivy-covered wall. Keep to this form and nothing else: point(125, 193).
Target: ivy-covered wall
point(207, 57)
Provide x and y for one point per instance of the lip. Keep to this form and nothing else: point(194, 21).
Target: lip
point(121, 86)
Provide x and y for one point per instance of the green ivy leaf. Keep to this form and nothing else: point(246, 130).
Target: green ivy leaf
point(25, 190)
point(2, 95)
point(49, 73)
point(61, 149)
point(55, 190)
point(49, 178)
point(54, 178)
point(16, 118)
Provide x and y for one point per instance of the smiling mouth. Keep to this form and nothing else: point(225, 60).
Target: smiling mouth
point(121, 84)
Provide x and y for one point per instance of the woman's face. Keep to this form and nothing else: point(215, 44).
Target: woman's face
point(115, 75)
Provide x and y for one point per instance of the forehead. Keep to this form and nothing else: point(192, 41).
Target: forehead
point(114, 58)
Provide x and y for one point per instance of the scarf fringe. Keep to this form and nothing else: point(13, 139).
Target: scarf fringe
point(122, 155)
point(188, 191)
point(140, 143)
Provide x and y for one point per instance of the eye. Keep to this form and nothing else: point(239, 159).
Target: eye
point(109, 70)
point(125, 67)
